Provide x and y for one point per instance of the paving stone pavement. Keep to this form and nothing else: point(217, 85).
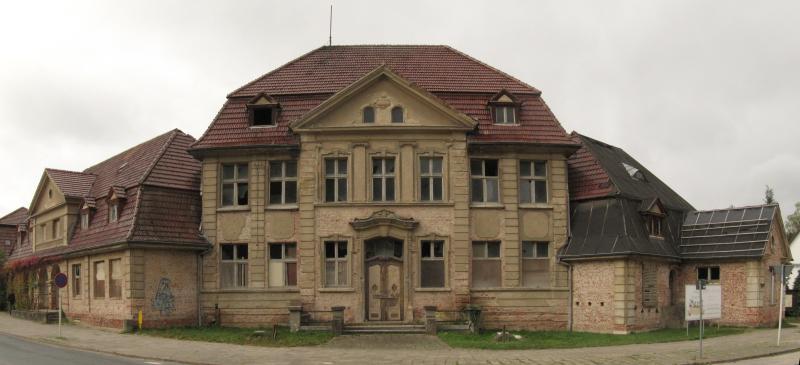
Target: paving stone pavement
point(752, 344)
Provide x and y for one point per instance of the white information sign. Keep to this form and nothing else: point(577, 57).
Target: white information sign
point(712, 302)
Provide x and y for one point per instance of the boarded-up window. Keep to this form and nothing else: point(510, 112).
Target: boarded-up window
point(282, 264)
point(486, 264)
point(99, 284)
point(115, 281)
point(336, 268)
point(432, 267)
point(535, 264)
point(649, 286)
point(76, 280)
point(233, 266)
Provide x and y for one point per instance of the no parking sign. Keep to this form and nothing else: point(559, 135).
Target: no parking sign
point(60, 280)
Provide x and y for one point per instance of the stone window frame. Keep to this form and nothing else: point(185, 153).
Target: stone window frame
point(351, 254)
point(112, 294)
point(419, 176)
point(499, 258)
point(533, 178)
point(75, 272)
point(283, 260)
point(364, 114)
point(417, 256)
point(236, 181)
point(283, 179)
point(238, 264)
point(348, 260)
point(55, 226)
point(396, 176)
point(536, 256)
point(403, 116)
point(322, 192)
point(484, 178)
point(95, 265)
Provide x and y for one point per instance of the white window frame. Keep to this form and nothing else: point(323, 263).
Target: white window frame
point(236, 181)
point(336, 260)
point(532, 179)
point(282, 179)
point(383, 176)
point(504, 109)
point(431, 176)
point(484, 179)
point(240, 266)
point(282, 261)
point(336, 176)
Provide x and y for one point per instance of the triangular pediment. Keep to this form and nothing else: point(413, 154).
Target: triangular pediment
point(48, 195)
point(383, 91)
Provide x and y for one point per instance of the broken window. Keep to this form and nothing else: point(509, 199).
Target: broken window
point(335, 179)
point(383, 179)
point(99, 280)
point(336, 268)
point(397, 115)
point(532, 181)
point(432, 267)
point(282, 182)
point(649, 286)
point(369, 115)
point(234, 184)
point(430, 173)
point(710, 273)
point(535, 264)
point(76, 280)
point(486, 264)
point(485, 182)
point(233, 266)
point(115, 281)
point(282, 264)
point(262, 115)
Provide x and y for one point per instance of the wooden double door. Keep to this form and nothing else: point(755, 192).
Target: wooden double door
point(384, 284)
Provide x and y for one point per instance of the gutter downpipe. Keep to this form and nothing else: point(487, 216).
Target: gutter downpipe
point(569, 265)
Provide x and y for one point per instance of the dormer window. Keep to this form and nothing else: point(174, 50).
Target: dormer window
point(397, 115)
point(653, 223)
point(85, 220)
point(113, 212)
point(262, 111)
point(368, 115)
point(653, 213)
point(504, 108)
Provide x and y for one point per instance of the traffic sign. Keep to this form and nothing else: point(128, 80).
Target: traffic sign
point(60, 280)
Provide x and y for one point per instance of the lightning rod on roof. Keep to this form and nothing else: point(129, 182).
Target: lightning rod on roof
point(330, 27)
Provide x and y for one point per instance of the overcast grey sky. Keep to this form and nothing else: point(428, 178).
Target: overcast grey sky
point(706, 94)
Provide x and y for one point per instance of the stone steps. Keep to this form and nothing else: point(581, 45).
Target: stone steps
point(398, 327)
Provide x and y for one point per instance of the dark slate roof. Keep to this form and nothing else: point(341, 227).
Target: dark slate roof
point(614, 226)
point(16, 217)
point(727, 233)
point(597, 170)
point(458, 80)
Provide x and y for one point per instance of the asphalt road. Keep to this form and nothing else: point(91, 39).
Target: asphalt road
point(15, 351)
point(792, 358)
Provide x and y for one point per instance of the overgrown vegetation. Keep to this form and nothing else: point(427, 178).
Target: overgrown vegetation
point(244, 336)
point(563, 339)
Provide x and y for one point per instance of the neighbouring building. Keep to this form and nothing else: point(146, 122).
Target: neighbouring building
point(10, 233)
point(635, 244)
point(126, 231)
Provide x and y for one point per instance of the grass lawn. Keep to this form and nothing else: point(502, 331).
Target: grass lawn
point(243, 336)
point(563, 339)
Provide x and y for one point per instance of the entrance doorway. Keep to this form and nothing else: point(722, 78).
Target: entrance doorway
point(383, 260)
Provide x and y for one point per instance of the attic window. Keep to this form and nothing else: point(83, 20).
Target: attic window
point(504, 108)
point(634, 172)
point(397, 115)
point(653, 223)
point(505, 114)
point(262, 116)
point(113, 212)
point(369, 114)
point(262, 111)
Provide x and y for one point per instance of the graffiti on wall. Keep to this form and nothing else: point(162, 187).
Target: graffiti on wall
point(164, 301)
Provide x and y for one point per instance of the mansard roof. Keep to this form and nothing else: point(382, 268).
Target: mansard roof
point(462, 82)
point(599, 169)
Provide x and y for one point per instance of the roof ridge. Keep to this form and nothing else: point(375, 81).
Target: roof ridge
point(535, 90)
point(273, 71)
point(68, 171)
point(127, 150)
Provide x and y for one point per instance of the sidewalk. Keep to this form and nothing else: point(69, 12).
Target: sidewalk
point(753, 344)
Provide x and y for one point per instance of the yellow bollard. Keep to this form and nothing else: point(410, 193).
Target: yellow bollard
point(140, 320)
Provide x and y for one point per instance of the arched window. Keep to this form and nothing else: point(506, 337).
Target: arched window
point(369, 115)
point(397, 114)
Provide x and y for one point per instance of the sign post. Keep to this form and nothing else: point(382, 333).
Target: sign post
point(785, 271)
point(701, 284)
point(61, 282)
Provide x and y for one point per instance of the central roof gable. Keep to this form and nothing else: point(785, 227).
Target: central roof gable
point(383, 90)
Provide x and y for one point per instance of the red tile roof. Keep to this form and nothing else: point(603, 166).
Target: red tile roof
point(72, 183)
point(464, 83)
point(160, 182)
point(16, 217)
point(587, 178)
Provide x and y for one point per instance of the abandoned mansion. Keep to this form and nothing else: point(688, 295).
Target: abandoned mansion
point(385, 183)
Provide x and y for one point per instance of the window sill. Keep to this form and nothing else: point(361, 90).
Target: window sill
point(487, 205)
point(535, 206)
point(516, 288)
point(432, 290)
point(336, 290)
point(507, 124)
point(251, 290)
point(397, 204)
point(282, 207)
point(263, 126)
point(234, 209)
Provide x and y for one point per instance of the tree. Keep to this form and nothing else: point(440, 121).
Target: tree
point(793, 223)
point(769, 196)
point(2, 281)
